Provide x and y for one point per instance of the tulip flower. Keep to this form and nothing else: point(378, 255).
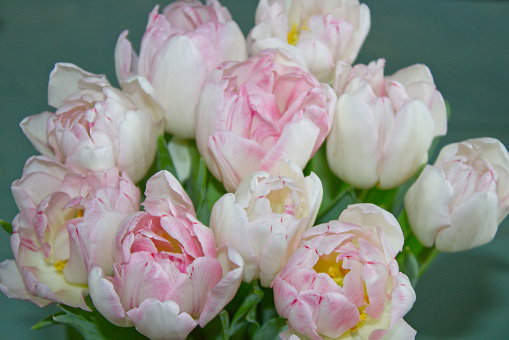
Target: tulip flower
point(266, 217)
point(253, 114)
point(383, 126)
point(320, 33)
point(343, 281)
point(65, 226)
point(178, 50)
point(458, 203)
point(97, 127)
point(167, 277)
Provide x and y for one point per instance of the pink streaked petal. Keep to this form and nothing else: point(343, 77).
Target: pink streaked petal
point(333, 314)
point(296, 143)
point(233, 269)
point(63, 81)
point(163, 185)
point(12, 285)
point(126, 60)
point(105, 298)
point(235, 156)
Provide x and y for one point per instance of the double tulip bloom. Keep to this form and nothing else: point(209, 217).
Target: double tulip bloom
point(254, 113)
point(168, 276)
point(458, 203)
point(65, 226)
point(321, 33)
point(343, 281)
point(97, 127)
point(266, 217)
point(178, 50)
point(383, 126)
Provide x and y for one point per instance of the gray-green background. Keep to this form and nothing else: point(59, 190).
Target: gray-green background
point(465, 44)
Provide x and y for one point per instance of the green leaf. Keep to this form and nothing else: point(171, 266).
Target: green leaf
point(405, 225)
point(162, 161)
point(408, 264)
point(92, 325)
point(425, 257)
point(163, 157)
point(271, 329)
point(382, 198)
point(251, 317)
point(246, 314)
point(333, 186)
point(6, 226)
point(225, 322)
point(47, 321)
point(342, 202)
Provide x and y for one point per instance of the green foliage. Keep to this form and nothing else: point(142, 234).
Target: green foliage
point(162, 161)
point(271, 329)
point(334, 189)
point(408, 265)
point(90, 325)
point(6, 226)
point(203, 189)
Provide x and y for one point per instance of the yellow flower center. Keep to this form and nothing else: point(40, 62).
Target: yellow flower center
point(79, 213)
point(327, 264)
point(59, 265)
point(294, 34)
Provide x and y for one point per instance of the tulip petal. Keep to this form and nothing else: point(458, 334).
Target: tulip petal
point(430, 193)
point(106, 300)
point(126, 60)
point(473, 223)
point(161, 320)
point(352, 146)
point(64, 81)
point(225, 290)
point(235, 157)
point(178, 80)
point(12, 285)
point(34, 127)
point(406, 149)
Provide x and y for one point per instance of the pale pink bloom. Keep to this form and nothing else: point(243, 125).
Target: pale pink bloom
point(97, 127)
point(266, 218)
point(319, 32)
point(343, 281)
point(65, 226)
point(252, 114)
point(458, 203)
point(167, 277)
point(178, 50)
point(383, 126)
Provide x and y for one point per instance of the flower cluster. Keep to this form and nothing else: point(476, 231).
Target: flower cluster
point(234, 200)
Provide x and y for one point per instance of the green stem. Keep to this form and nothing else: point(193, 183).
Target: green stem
point(339, 197)
point(425, 258)
point(361, 194)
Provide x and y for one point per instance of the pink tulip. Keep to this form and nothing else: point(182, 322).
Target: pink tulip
point(97, 127)
point(65, 226)
point(383, 126)
point(266, 218)
point(343, 281)
point(458, 203)
point(167, 277)
point(252, 114)
point(178, 50)
point(320, 32)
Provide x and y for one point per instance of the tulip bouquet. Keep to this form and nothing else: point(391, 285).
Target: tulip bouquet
point(237, 187)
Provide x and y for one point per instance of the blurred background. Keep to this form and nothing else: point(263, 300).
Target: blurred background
point(465, 44)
